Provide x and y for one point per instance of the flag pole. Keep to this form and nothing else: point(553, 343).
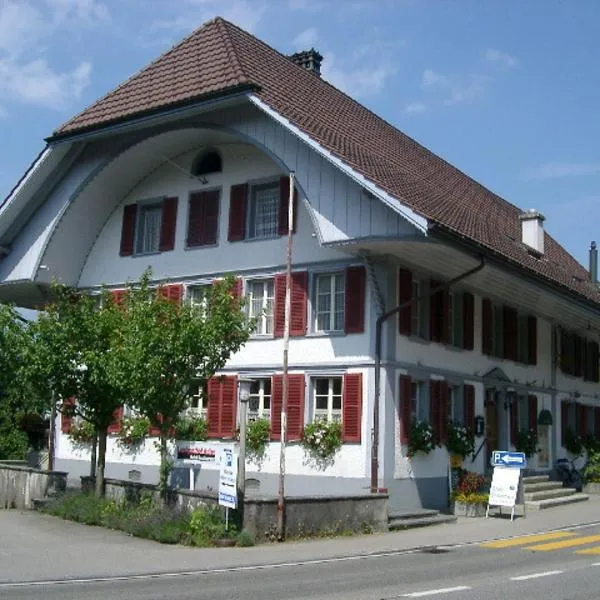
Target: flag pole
point(286, 345)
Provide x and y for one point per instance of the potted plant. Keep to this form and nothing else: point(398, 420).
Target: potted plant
point(321, 440)
point(82, 432)
point(132, 432)
point(469, 498)
point(461, 440)
point(191, 429)
point(421, 438)
point(258, 434)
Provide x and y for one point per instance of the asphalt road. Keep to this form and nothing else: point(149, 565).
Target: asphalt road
point(554, 572)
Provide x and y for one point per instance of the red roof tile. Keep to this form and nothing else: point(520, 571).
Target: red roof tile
point(220, 57)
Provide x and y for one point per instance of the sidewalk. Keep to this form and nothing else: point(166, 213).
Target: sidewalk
point(35, 547)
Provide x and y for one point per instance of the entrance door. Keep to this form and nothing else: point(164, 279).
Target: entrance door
point(491, 425)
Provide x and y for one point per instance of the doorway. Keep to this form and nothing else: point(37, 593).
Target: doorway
point(491, 424)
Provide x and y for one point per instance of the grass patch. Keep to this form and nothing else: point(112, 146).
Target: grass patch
point(146, 519)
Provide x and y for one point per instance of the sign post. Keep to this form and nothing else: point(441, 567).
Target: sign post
point(228, 469)
point(506, 480)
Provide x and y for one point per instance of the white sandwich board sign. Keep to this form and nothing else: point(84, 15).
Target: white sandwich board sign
point(506, 479)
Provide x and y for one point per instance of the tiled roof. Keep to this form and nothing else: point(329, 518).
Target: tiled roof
point(219, 57)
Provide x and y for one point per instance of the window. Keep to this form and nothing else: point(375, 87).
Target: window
point(260, 304)
point(498, 332)
point(590, 421)
point(523, 339)
point(329, 302)
point(456, 404)
point(207, 162)
point(419, 401)
point(455, 322)
point(259, 405)
point(198, 404)
point(263, 217)
point(523, 413)
point(197, 296)
point(328, 399)
point(148, 228)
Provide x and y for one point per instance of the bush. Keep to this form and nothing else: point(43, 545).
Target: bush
point(461, 440)
point(421, 438)
point(573, 443)
point(592, 468)
point(527, 441)
point(208, 524)
point(470, 488)
point(82, 432)
point(83, 508)
point(133, 431)
point(245, 539)
point(193, 429)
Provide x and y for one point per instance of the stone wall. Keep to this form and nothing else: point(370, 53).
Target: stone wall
point(21, 485)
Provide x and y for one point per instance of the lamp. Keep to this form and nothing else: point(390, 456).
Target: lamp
point(545, 417)
point(244, 386)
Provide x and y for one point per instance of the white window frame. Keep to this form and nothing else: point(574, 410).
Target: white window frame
point(456, 404)
point(266, 320)
point(140, 225)
point(261, 394)
point(419, 400)
point(201, 302)
point(331, 277)
point(251, 229)
point(330, 414)
point(198, 402)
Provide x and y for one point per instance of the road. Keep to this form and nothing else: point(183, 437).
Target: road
point(548, 567)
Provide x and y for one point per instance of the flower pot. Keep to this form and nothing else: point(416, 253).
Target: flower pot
point(465, 509)
point(591, 488)
point(224, 542)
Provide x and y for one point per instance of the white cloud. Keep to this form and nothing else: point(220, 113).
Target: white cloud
point(415, 108)
point(309, 5)
point(356, 81)
point(20, 24)
point(502, 58)
point(306, 39)
point(555, 170)
point(456, 90)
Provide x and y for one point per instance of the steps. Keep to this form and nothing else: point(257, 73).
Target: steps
point(541, 493)
point(418, 518)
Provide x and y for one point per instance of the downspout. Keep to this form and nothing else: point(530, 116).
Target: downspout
point(381, 319)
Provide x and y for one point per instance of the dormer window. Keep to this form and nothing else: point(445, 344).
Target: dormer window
point(207, 162)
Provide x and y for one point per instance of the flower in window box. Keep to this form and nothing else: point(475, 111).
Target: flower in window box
point(421, 438)
point(321, 440)
point(461, 440)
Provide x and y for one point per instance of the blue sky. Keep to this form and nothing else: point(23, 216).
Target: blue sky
point(508, 92)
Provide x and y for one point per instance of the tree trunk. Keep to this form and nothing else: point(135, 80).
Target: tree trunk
point(101, 464)
point(93, 456)
point(165, 467)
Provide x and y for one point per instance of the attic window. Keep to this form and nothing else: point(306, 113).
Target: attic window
point(206, 163)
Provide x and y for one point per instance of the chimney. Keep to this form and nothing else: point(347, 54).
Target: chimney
point(593, 263)
point(309, 59)
point(532, 230)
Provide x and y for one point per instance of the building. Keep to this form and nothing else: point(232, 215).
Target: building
point(184, 168)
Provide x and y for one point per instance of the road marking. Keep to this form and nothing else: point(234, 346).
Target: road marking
point(460, 588)
point(590, 551)
point(524, 540)
point(536, 575)
point(578, 541)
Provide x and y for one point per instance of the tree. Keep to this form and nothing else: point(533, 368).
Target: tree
point(73, 353)
point(169, 346)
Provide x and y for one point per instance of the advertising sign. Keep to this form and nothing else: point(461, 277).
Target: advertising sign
point(197, 452)
point(228, 477)
point(505, 485)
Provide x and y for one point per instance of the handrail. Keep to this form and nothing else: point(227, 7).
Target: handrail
point(478, 450)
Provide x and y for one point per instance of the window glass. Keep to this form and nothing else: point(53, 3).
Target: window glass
point(456, 404)
point(523, 413)
point(197, 296)
point(264, 211)
point(329, 302)
point(259, 405)
point(419, 401)
point(149, 222)
point(260, 304)
point(327, 399)
point(198, 404)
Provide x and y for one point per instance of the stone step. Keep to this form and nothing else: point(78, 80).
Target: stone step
point(535, 478)
point(542, 485)
point(410, 523)
point(551, 502)
point(414, 514)
point(560, 492)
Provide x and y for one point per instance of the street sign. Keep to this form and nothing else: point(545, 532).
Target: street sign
point(228, 477)
point(502, 458)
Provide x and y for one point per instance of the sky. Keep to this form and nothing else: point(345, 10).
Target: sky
point(508, 92)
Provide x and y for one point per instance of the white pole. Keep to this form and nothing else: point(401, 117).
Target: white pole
point(286, 345)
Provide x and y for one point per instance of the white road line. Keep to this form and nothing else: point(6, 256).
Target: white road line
point(460, 588)
point(536, 575)
point(595, 564)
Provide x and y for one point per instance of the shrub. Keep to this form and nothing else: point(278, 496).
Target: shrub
point(421, 438)
point(470, 488)
point(133, 431)
point(192, 429)
point(573, 443)
point(207, 524)
point(527, 441)
point(82, 432)
point(245, 539)
point(592, 468)
point(83, 508)
point(461, 440)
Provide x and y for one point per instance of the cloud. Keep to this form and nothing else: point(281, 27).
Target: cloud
point(501, 58)
point(456, 89)
point(308, 5)
point(306, 39)
point(415, 108)
point(555, 170)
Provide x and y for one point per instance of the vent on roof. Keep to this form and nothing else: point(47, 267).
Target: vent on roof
point(593, 262)
point(532, 230)
point(309, 59)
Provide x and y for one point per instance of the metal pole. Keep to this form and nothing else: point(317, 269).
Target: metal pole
point(242, 456)
point(52, 434)
point(286, 345)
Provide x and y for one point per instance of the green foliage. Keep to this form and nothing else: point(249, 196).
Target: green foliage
point(245, 539)
point(573, 443)
point(133, 431)
point(193, 429)
point(592, 468)
point(475, 498)
point(82, 432)
point(13, 442)
point(461, 440)
point(527, 442)
point(321, 440)
point(421, 438)
point(258, 434)
point(208, 524)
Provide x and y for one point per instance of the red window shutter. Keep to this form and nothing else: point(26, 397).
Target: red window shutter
point(577, 357)
point(405, 385)
point(238, 285)
point(295, 412)
point(354, 310)
point(203, 220)
point(352, 407)
point(531, 340)
point(299, 303)
point(237, 212)
point(469, 405)
point(284, 195)
point(580, 427)
point(115, 426)
point(597, 421)
point(595, 366)
point(279, 308)
point(168, 225)
point(487, 327)
point(276, 400)
point(564, 421)
point(405, 292)
point(533, 411)
point(211, 217)
point(434, 408)
point(439, 314)
point(511, 333)
point(468, 308)
point(118, 296)
point(154, 429)
point(214, 407)
point(513, 423)
point(173, 292)
point(443, 427)
point(228, 407)
point(128, 230)
point(66, 420)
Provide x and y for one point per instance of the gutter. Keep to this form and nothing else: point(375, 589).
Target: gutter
point(378, 336)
